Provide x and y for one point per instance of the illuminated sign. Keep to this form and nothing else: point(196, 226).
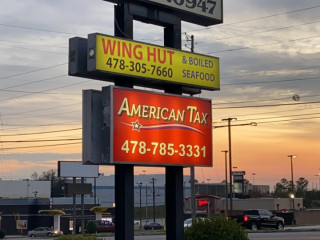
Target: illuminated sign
point(158, 129)
point(151, 63)
point(238, 173)
point(203, 203)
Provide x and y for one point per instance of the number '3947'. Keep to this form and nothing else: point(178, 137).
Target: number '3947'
point(206, 6)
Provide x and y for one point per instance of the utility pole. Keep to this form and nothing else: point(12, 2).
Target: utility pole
point(230, 158)
point(154, 200)
point(226, 175)
point(140, 184)
point(147, 203)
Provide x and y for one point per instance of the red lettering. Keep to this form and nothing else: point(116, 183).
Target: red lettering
point(109, 47)
point(123, 49)
point(152, 54)
point(164, 56)
point(170, 52)
point(136, 53)
point(119, 48)
point(126, 50)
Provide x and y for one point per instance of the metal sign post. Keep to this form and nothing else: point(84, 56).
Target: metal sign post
point(124, 196)
point(151, 66)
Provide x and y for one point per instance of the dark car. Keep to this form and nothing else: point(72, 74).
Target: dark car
point(104, 225)
point(153, 226)
point(44, 232)
point(261, 218)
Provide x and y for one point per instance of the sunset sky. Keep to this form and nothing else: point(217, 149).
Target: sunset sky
point(269, 51)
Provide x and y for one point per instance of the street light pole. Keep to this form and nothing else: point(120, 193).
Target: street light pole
point(253, 174)
point(292, 188)
point(226, 173)
point(230, 157)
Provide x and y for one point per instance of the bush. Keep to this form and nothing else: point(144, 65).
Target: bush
point(76, 237)
point(2, 233)
point(91, 227)
point(215, 228)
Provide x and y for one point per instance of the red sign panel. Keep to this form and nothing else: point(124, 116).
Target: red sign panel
point(160, 129)
point(202, 203)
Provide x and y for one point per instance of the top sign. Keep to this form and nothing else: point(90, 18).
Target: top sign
point(201, 12)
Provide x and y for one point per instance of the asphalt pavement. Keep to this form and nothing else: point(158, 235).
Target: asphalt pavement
point(163, 237)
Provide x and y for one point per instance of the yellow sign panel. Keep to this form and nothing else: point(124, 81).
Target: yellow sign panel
point(131, 58)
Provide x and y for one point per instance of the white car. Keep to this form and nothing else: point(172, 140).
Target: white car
point(44, 232)
point(187, 223)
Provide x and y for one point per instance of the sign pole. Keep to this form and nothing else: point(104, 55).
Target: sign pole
point(124, 180)
point(174, 174)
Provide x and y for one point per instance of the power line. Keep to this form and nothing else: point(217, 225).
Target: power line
point(289, 120)
point(277, 121)
point(248, 114)
point(43, 109)
point(43, 115)
point(45, 132)
point(41, 125)
point(266, 118)
point(37, 44)
point(264, 31)
point(39, 50)
point(45, 91)
point(44, 140)
point(255, 19)
point(37, 70)
point(274, 72)
point(269, 105)
point(39, 29)
point(263, 45)
point(39, 146)
point(37, 81)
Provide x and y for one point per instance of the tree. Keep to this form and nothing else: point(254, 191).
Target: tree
point(56, 182)
point(281, 189)
point(301, 187)
point(284, 187)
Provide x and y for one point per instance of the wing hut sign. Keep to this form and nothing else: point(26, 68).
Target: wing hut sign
point(159, 129)
point(113, 56)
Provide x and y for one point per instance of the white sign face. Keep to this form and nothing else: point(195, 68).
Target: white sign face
point(77, 169)
point(206, 8)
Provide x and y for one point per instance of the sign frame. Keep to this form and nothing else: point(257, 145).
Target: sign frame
point(107, 150)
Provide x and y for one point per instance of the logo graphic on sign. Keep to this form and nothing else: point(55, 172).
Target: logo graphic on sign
point(116, 56)
point(152, 129)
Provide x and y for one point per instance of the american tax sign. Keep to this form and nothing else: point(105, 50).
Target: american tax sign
point(151, 63)
point(159, 129)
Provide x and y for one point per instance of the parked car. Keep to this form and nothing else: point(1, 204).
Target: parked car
point(153, 226)
point(44, 232)
point(187, 223)
point(104, 225)
point(260, 218)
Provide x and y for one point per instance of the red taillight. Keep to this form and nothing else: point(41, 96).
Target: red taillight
point(245, 218)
